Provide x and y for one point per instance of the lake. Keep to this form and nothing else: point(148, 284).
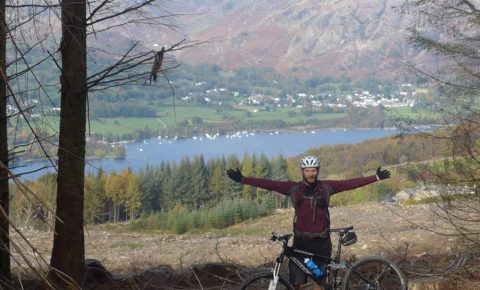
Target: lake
point(154, 151)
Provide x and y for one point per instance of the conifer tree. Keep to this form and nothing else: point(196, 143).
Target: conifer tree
point(199, 182)
point(216, 182)
point(237, 211)
point(232, 188)
point(449, 29)
point(293, 171)
point(279, 172)
point(227, 212)
point(171, 186)
point(247, 170)
point(114, 191)
point(183, 191)
point(134, 196)
point(164, 175)
point(262, 167)
point(262, 170)
point(270, 203)
point(279, 168)
point(151, 188)
point(5, 271)
point(89, 210)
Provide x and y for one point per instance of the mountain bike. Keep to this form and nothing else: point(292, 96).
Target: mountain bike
point(369, 273)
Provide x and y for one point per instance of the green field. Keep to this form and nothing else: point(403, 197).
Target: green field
point(407, 112)
point(186, 111)
point(283, 114)
point(208, 115)
point(119, 126)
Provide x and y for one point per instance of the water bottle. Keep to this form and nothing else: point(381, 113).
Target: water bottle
point(314, 268)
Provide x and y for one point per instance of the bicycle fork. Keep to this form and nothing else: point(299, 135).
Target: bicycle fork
point(276, 273)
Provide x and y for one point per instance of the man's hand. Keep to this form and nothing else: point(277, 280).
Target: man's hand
point(382, 174)
point(235, 175)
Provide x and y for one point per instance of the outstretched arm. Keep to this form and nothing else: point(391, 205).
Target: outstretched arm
point(342, 185)
point(268, 184)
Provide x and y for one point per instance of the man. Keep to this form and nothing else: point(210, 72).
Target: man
point(310, 198)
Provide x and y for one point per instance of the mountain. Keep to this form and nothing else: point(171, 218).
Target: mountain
point(307, 38)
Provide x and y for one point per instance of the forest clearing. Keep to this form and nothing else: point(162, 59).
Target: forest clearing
point(162, 258)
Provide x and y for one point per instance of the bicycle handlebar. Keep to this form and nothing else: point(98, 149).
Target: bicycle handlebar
point(275, 237)
point(341, 231)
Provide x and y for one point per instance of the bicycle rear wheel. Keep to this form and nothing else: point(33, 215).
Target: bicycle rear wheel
point(373, 273)
point(262, 281)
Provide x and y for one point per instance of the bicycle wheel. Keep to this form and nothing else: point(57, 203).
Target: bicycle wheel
point(262, 281)
point(378, 272)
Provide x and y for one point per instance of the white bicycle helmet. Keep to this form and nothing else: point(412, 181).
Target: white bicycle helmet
point(309, 161)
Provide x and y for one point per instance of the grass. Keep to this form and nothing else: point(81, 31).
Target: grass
point(208, 115)
point(184, 110)
point(407, 112)
point(123, 125)
point(283, 114)
point(187, 111)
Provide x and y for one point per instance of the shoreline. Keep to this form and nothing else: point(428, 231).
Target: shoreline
point(304, 129)
point(284, 130)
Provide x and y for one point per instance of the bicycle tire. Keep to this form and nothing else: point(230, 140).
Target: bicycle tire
point(260, 281)
point(385, 274)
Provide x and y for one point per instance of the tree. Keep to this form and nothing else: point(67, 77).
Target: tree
point(68, 252)
point(171, 185)
point(183, 191)
point(133, 198)
point(152, 188)
point(68, 245)
point(450, 32)
point(199, 181)
point(262, 167)
point(67, 259)
point(279, 172)
point(114, 191)
point(216, 182)
point(232, 188)
point(96, 210)
point(247, 170)
point(5, 273)
point(279, 168)
point(262, 170)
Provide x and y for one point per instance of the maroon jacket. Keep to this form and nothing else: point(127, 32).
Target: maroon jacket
point(311, 217)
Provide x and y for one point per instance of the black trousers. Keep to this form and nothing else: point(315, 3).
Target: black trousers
point(318, 246)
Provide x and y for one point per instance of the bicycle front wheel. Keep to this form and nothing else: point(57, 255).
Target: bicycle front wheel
point(374, 273)
point(262, 281)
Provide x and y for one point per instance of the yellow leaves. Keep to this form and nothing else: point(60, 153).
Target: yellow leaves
point(115, 186)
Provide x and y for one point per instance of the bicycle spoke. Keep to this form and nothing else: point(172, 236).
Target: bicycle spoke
point(375, 275)
point(387, 278)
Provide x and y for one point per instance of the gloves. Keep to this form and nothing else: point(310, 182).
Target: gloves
point(382, 174)
point(235, 175)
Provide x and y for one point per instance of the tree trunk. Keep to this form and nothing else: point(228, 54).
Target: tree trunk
point(5, 274)
point(68, 253)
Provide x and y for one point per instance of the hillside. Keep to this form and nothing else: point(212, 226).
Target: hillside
point(157, 258)
point(305, 38)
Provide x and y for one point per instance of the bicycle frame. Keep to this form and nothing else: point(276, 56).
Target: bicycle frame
point(332, 268)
